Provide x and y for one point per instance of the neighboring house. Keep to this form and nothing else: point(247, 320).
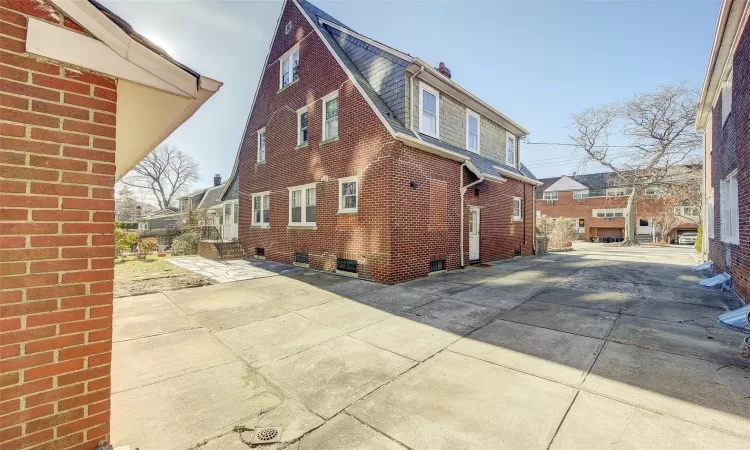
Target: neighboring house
point(724, 116)
point(362, 159)
point(164, 218)
point(84, 99)
point(595, 205)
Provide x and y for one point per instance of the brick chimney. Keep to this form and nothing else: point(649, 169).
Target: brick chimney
point(444, 70)
point(217, 179)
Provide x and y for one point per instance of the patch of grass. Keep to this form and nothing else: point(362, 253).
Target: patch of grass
point(140, 276)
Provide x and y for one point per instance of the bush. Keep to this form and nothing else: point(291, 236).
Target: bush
point(160, 232)
point(124, 240)
point(127, 225)
point(186, 244)
point(699, 240)
point(147, 246)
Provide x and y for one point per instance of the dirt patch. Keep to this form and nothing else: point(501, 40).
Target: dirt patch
point(135, 277)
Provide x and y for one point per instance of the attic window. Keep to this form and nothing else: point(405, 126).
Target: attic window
point(511, 150)
point(429, 111)
point(289, 67)
point(288, 28)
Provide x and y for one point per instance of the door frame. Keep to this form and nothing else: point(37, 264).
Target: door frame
point(230, 229)
point(478, 226)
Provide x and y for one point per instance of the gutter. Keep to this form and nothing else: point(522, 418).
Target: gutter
point(462, 192)
point(516, 176)
point(411, 99)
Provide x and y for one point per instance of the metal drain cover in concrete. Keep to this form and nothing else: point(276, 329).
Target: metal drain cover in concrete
point(266, 435)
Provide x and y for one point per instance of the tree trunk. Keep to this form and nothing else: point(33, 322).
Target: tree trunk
point(630, 220)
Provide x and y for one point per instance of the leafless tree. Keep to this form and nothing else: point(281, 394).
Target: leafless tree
point(658, 131)
point(679, 204)
point(166, 172)
point(125, 205)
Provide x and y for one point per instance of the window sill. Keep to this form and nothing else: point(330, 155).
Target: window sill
point(729, 242)
point(347, 212)
point(261, 163)
point(287, 86)
point(301, 146)
point(260, 227)
point(426, 133)
point(328, 141)
point(517, 219)
point(301, 227)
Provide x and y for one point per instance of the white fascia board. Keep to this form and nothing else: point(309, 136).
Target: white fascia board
point(370, 41)
point(96, 23)
point(50, 41)
point(516, 176)
point(255, 98)
point(143, 57)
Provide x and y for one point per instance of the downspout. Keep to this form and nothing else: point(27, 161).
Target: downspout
point(463, 191)
point(411, 107)
point(533, 220)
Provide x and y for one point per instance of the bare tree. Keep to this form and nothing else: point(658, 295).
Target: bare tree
point(658, 129)
point(679, 204)
point(125, 205)
point(166, 172)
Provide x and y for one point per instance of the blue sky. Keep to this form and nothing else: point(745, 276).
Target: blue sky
point(536, 61)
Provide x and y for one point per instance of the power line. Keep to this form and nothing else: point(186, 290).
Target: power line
point(568, 144)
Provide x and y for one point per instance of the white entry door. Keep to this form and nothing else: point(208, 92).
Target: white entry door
point(474, 234)
point(644, 226)
point(231, 216)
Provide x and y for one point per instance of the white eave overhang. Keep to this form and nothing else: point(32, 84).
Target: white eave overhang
point(154, 95)
point(733, 17)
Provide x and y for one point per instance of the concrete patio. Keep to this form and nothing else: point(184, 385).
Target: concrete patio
point(600, 348)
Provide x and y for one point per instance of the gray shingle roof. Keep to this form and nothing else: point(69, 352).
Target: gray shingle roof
point(484, 165)
point(602, 180)
point(212, 196)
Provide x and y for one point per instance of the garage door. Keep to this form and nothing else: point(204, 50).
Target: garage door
point(609, 232)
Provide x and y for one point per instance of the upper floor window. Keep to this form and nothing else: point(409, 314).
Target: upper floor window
point(331, 116)
point(730, 221)
point(429, 110)
point(261, 208)
point(517, 209)
point(302, 126)
point(288, 28)
point(472, 131)
point(302, 205)
point(580, 194)
point(348, 194)
point(289, 67)
point(726, 99)
point(608, 213)
point(617, 192)
point(262, 145)
point(550, 195)
point(510, 150)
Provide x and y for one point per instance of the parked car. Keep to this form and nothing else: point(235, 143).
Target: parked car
point(687, 238)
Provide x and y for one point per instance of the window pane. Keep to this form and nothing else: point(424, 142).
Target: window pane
point(295, 66)
point(266, 208)
point(296, 198)
point(429, 102)
point(429, 123)
point(311, 213)
point(296, 214)
point(332, 108)
point(473, 125)
point(332, 128)
point(310, 200)
point(235, 212)
point(472, 141)
point(285, 72)
point(303, 120)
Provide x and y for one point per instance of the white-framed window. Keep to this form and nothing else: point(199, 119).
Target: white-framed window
point(302, 126)
point(510, 150)
point(617, 192)
point(538, 213)
point(730, 221)
point(472, 131)
point(550, 195)
point(517, 215)
point(331, 116)
point(710, 212)
point(348, 194)
point(262, 145)
point(607, 213)
point(288, 27)
point(261, 208)
point(581, 194)
point(302, 205)
point(289, 67)
point(726, 99)
point(429, 110)
point(655, 191)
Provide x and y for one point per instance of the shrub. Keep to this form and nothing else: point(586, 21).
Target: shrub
point(699, 240)
point(127, 225)
point(147, 246)
point(124, 240)
point(186, 244)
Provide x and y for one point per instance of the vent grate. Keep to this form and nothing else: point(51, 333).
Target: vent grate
point(346, 265)
point(260, 251)
point(302, 258)
point(437, 265)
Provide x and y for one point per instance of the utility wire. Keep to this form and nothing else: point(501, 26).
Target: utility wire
point(568, 144)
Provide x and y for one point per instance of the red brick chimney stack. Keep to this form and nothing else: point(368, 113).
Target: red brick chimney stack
point(444, 70)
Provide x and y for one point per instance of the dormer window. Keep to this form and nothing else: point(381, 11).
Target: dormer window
point(289, 67)
point(510, 150)
point(429, 111)
point(472, 131)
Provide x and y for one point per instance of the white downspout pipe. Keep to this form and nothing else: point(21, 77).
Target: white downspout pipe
point(463, 191)
point(411, 99)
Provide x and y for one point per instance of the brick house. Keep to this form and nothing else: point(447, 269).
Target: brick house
point(362, 159)
point(596, 206)
point(724, 116)
point(82, 99)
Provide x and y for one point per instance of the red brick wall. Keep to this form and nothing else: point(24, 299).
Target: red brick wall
point(392, 236)
point(56, 243)
point(731, 150)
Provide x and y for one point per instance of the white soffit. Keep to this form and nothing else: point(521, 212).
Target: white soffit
point(566, 184)
point(57, 43)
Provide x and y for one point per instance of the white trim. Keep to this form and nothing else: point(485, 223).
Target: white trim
point(323, 102)
point(422, 88)
point(515, 176)
point(519, 217)
point(730, 218)
point(370, 41)
point(343, 210)
point(288, 56)
point(726, 99)
point(252, 209)
point(508, 136)
point(469, 114)
point(547, 195)
point(605, 211)
point(303, 198)
point(301, 111)
point(265, 145)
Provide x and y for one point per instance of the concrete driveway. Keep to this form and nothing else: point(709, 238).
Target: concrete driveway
point(600, 348)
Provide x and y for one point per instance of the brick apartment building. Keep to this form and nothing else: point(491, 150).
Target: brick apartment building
point(362, 159)
point(724, 116)
point(595, 205)
point(77, 93)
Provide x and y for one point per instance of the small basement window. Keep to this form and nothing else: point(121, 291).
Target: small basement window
point(438, 265)
point(260, 251)
point(346, 265)
point(302, 258)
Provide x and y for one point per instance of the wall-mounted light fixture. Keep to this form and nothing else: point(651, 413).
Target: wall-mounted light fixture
point(414, 185)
